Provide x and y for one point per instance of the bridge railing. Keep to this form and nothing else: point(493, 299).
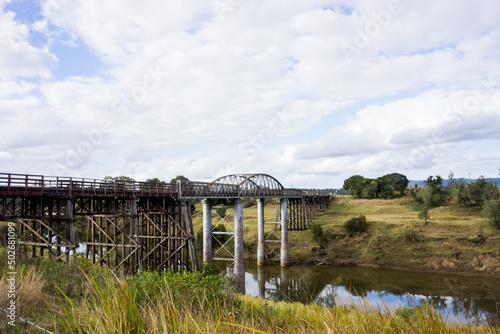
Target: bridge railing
point(32, 185)
point(188, 189)
point(293, 193)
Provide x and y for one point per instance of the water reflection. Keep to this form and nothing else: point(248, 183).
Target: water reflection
point(457, 298)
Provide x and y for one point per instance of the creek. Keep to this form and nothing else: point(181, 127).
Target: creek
point(458, 298)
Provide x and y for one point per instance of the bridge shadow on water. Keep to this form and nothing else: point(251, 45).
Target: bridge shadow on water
point(458, 299)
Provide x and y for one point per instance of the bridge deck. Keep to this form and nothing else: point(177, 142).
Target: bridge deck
point(25, 185)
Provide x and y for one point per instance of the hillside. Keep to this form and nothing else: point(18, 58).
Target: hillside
point(451, 242)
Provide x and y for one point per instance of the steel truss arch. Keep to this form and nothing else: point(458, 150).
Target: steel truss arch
point(253, 185)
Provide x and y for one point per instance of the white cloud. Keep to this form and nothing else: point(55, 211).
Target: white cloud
point(190, 92)
point(19, 59)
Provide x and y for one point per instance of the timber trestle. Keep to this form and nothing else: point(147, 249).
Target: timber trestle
point(131, 225)
point(144, 225)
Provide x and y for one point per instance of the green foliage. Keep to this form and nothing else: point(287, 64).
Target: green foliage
point(410, 234)
point(387, 186)
point(427, 199)
point(356, 224)
point(317, 231)
point(118, 178)
point(221, 212)
point(321, 237)
point(352, 184)
point(463, 195)
point(439, 193)
point(191, 287)
point(482, 191)
point(155, 180)
point(179, 178)
point(394, 183)
point(491, 210)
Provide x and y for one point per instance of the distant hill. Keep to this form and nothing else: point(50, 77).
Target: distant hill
point(420, 183)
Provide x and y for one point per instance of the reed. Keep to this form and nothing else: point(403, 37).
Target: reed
point(154, 303)
point(194, 302)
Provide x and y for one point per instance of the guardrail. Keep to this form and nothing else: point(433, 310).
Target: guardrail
point(32, 185)
point(37, 185)
point(190, 189)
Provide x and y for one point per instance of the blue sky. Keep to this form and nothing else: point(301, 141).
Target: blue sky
point(309, 92)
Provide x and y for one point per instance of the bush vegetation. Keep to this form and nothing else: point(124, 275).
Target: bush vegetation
point(356, 225)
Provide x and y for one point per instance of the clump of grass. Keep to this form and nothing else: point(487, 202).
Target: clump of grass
point(410, 235)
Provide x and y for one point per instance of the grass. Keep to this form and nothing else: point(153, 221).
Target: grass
point(203, 302)
point(80, 297)
point(199, 302)
point(395, 237)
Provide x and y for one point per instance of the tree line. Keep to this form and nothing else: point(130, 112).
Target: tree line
point(434, 193)
point(387, 186)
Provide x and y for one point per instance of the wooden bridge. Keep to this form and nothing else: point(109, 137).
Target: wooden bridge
point(138, 225)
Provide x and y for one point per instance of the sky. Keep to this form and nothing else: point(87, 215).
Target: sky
point(309, 91)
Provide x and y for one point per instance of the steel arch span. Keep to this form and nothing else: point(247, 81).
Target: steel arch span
point(253, 185)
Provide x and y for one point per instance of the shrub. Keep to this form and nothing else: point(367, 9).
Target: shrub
point(356, 224)
point(410, 235)
point(221, 212)
point(322, 238)
point(317, 231)
point(491, 210)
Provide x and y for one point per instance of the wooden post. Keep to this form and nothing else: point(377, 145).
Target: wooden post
point(135, 227)
point(70, 216)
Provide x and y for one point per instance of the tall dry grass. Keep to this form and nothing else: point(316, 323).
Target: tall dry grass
point(114, 309)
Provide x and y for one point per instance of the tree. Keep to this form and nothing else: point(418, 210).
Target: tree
point(491, 210)
point(352, 184)
point(179, 178)
point(120, 182)
point(463, 194)
point(426, 197)
point(119, 178)
point(482, 191)
point(392, 184)
point(372, 188)
point(155, 180)
point(452, 183)
point(439, 192)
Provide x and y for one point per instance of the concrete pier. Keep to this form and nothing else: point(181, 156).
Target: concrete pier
point(261, 246)
point(238, 237)
point(285, 256)
point(207, 231)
